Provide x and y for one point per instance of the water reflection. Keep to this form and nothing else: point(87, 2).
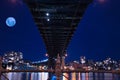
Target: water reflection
point(66, 76)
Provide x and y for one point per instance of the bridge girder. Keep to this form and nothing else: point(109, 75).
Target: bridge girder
point(58, 27)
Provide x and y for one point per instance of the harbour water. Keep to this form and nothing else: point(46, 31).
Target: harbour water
point(65, 76)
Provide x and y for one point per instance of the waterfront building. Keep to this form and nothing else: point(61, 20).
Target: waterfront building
point(12, 59)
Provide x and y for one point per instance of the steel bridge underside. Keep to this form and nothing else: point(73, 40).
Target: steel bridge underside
point(57, 21)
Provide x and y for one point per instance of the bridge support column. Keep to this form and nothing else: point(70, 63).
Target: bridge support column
point(51, 66)
point(58, 68)
point(51, 63)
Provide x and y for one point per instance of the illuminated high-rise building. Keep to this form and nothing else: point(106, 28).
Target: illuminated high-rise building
point(83, 59)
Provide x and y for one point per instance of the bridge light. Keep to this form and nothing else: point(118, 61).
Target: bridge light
point(66, 55)
point(48, 19)
point(47, 14)
point(46, 54)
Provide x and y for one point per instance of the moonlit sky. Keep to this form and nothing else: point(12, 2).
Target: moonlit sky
point(97, 36)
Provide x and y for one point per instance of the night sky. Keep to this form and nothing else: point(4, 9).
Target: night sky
point(97, 36)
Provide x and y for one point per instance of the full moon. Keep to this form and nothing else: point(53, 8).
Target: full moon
point(10, 21)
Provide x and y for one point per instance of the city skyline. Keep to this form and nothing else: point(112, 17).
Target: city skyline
point(96, 37)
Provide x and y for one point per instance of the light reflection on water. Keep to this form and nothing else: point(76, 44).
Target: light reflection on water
point(70, 76)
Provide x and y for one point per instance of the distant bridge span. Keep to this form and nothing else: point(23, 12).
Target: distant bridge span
point(57, 20)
